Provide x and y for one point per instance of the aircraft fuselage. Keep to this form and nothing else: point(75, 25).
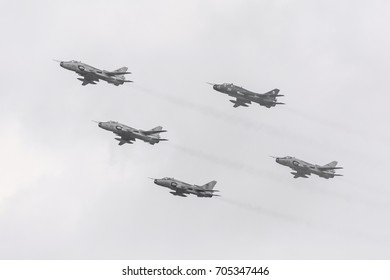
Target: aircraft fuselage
point(93, 74)
point(304, 168)
point(126, 131)
point(245, 96)
point(181, 188)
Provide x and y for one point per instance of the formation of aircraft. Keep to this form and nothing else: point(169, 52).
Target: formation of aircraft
point(180, 188)
point(303, 169)
point(91, 75)
point(243, 97)
point(128, 134)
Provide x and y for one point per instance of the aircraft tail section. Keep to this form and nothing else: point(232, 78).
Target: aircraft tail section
point(154, 131)
point(209, 185)
point(330, 167)
point(118, 72)
point(122, 79)
point(122, 69)
point(331, 164)
point(273, 92)
point(157, 128)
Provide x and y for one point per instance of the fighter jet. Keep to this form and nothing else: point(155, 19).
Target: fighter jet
point(180, 188)
point(304, 169)
point(245, 97)
point(128, 134)
point(91, 75)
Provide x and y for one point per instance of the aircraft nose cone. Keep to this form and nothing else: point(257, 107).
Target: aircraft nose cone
point(62, 63)
point(214, 86)
point(277, 160)
point(155, 181)
point(100, 124)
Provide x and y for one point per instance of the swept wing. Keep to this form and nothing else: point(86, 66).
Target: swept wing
point(240, 102)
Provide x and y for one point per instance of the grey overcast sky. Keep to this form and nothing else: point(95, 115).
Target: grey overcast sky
point(68, 191)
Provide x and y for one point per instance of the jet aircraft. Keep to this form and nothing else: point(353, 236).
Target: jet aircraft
point(128, 134)
point(91, 75)
point(303, 168)
point(180, 188)
point(245, 97)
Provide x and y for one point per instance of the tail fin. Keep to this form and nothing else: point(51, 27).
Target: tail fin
point(210, 185)
point(119, 74)
point(331, 164)
point(157, 128)
point(155, 134)
point(273, 92)
point(122, 69)
point(330, 167)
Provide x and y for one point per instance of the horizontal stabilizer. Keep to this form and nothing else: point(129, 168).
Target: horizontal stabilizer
point(120, 71)
point(162, 139)
point(155, 130)
point(116, 73)
point(329, 167)
point(150, 132)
